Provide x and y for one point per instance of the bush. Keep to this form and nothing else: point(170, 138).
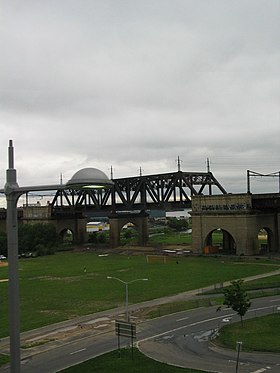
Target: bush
point(3, 243)
point(97, 237)
point(42, 250)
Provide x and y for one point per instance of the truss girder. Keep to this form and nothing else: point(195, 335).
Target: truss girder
point(141, 192)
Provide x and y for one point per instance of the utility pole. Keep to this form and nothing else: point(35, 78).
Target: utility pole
point(208, 165)
point(179, 163)
point(248, 181)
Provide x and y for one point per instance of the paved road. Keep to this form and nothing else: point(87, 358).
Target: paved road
point(186, 341)
point(182, 339)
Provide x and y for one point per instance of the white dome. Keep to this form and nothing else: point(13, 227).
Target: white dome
point(89, 178)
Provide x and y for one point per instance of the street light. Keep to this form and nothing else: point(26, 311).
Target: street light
point(126, 291)
point(88, 177)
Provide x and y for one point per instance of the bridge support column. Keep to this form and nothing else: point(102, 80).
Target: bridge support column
point(76, 224)
point(276, 243)
point(118, 220)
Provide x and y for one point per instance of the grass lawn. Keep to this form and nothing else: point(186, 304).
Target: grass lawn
point(262, 287)
point(265, 326)
point(111, 363)
point(56, 288)
point(4, 359)
point(269, 282)
point(176, 238)
point(168, 308)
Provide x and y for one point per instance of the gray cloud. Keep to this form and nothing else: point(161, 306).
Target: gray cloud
point(137, 83)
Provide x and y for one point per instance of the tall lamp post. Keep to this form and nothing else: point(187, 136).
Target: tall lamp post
point(126, 291)
point(85, 178)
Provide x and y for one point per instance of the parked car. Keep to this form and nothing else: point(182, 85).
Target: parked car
point(2, 257)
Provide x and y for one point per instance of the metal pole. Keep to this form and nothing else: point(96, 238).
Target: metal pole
point(14, 318)
point(248, 181)
point(131, 331)
point(12, 240)
point(238, 353)
point(126, 291)
point(126, 301)
point(119, 345)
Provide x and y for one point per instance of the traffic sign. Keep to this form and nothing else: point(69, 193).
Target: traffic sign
point(125, 329)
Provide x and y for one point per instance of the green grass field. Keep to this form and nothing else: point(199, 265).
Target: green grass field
point(180, 238)
point(265, 283)
point(112, 363)
point(56, 288)
point(266, 326)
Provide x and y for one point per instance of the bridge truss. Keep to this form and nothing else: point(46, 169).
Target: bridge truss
point(168, 191)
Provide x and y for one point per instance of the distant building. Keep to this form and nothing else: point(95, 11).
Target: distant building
point(97, 226)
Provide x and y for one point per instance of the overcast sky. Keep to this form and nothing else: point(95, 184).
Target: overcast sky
point(137, 83)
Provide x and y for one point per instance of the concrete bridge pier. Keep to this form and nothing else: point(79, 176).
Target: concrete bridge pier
point(77, 226)
point(118, 220)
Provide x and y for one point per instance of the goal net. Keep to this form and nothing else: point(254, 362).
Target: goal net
point(156, 259)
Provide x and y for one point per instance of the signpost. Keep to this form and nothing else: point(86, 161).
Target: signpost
point(125, 329)
point(238, 347)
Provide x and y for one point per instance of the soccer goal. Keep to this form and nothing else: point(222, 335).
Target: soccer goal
point(151, 259)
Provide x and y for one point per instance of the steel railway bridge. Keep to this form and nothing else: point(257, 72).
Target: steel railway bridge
point(169, 191)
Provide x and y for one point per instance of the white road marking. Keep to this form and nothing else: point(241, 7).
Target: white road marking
point(76, 352)
point(184, 318)
point(181, 327)
point(197, 323)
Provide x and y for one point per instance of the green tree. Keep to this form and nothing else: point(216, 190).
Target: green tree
point(3, 243)
point(32, 236)
point(237, 298)
point(177, 224)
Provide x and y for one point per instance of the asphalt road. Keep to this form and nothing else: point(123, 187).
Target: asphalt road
point(182, 339)
point(185, 340)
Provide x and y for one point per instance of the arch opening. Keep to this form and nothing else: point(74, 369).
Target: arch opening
point(129, 234)
point(220, 241)
point(265, 240)
point(67, 236)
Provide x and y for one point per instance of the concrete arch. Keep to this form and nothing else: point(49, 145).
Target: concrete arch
point(117, 221)
point(76, 225)
point(228, 242)
point(242, 228)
